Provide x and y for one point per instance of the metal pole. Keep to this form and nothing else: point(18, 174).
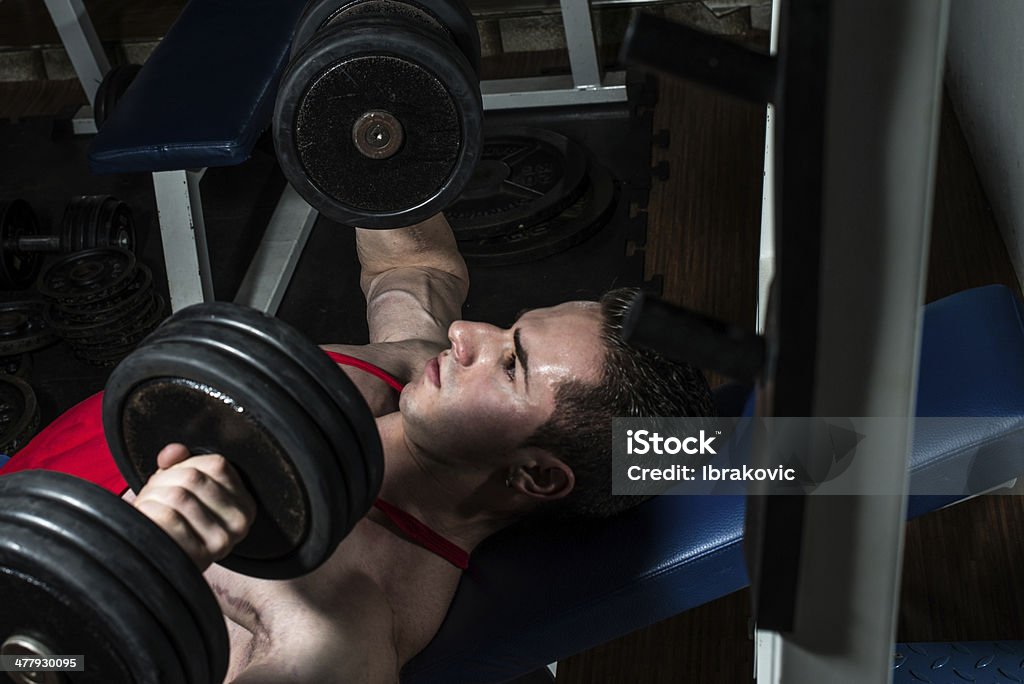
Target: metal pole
point(81, 42)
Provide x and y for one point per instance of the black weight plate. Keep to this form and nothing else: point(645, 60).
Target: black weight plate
point(128, 560)
point(173, 392)
point(136, 331)
point(303, 388)
point(116, 226)
point(451, 16)
point(138, 289)
point(133, 317)
point(85, 223)
point(86, 219)
point(89, 225)
point(390, 66)
point(108, 360)
point(19, 365)
point(93, 222)
point(54, 591)
point(574, 225)
point(23, 327)
point(109, 355)
point(17, 269)
point(68, 232)
point(331, 378)
point(19, 414)
point(525, 176)
point(88, 276)
point(107, 350)
point(79, 222)
point(96, 504)
point(39, 603)
point(209, 413)
point(71, 329)
point(113, 86)
point(286, 373)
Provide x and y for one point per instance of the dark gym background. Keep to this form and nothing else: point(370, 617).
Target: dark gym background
point(963, 571)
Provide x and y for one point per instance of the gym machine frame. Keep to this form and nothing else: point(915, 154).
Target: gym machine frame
point(855, 90)
point(178, 197)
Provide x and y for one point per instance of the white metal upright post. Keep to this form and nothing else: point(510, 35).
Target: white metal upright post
point(884, 75)
point(81, 42)
point(183, 235)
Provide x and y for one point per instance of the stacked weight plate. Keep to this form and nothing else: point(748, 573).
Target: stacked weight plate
point(102, 303)
point(534, 193)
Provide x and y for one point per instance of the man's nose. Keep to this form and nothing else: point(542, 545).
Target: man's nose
point(468, 340)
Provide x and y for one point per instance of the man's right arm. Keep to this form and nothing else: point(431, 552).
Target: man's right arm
point(414, 279)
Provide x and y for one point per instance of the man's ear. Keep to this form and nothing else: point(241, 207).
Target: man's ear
point(544, 476)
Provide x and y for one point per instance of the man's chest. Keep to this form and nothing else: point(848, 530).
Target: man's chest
point(373, 572)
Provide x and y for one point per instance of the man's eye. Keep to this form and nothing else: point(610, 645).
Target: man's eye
point(510, 368)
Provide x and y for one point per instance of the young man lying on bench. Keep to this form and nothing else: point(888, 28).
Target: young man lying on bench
point(481, 427)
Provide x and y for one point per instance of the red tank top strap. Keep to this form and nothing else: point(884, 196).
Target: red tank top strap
point(346, 360)
point(417, 531)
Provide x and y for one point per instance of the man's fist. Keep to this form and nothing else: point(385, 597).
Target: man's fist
point(199, 501)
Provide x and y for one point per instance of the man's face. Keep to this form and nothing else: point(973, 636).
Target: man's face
point(489, 392)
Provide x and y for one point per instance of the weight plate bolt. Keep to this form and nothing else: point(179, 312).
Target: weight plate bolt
point(377, 134)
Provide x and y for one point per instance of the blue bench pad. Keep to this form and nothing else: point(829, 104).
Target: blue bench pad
point(205, 94)
point(532, 596)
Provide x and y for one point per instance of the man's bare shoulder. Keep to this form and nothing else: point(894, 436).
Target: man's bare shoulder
point(354, 641)
point(402, 360)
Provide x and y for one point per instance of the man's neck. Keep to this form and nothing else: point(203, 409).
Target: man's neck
point(456, 505)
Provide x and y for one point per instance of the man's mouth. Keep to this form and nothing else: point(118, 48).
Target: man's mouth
point(433, 371)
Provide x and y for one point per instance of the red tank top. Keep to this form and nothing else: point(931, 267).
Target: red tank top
point(74, 444)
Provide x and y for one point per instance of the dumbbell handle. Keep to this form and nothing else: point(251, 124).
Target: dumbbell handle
point(34, 243)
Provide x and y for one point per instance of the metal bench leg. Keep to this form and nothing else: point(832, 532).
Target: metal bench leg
point(81, 42)
point(274, 262)
point(183, 235)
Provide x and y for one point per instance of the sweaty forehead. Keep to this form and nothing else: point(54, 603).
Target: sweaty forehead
point(579, 307)
point(565, 339)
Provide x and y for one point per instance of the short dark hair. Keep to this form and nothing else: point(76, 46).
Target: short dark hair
point(634, 382)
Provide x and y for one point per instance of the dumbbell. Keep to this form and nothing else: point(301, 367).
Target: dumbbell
point(88, 222)
point(378, 119)
point(82, 571)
